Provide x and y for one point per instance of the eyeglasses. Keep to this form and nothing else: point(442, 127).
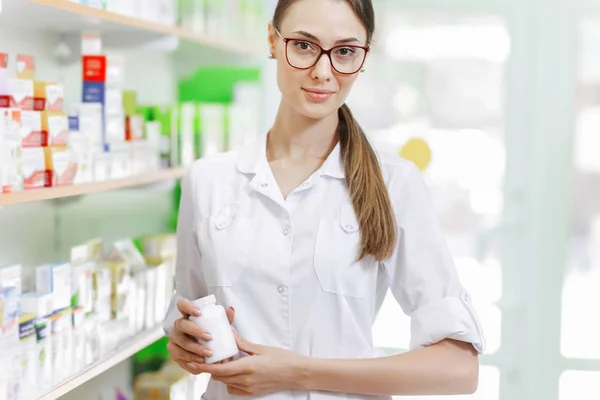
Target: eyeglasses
point(303, 54)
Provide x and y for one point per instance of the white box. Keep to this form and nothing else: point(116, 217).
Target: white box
point(55, 279)
point(10, 275)
point(11, 172)
point(40, 304)
point(82, 286)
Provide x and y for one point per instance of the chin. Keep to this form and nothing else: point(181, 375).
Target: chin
point(317, 111)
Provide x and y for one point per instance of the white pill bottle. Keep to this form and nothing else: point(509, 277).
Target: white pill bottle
point(213, 319)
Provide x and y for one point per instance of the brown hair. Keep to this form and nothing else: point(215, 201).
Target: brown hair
point(364, 179)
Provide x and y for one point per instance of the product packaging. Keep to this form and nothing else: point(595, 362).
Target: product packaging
point(4, 81)
point(55, 125)
point(81, 145)
point(102, 294)
point(62, 164)
point(32, 130)
point(40, 305)
point(214, 320)
point(28, 361)
point(134, 128)
point(21, 89)
point(56, 279)
point(11, 169)
point(120, 278)
point(10, 275)
point(48, 96)
point(35, 173)
point(62, 354)
point(79, 338)
point(88, 119)
point(187, 134)
point(9, 313)
point(83, 286)
point(212, 128)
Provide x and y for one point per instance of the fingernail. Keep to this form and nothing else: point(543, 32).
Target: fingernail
point(192, 366)
point(199, 360)
point(196, 312)
point(208, 353)
point(206, 337)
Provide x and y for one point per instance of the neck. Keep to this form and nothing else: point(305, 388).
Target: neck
point(295, 136)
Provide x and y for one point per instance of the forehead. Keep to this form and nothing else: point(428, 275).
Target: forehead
point(329, 20)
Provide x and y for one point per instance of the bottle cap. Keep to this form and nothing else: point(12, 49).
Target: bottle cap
point(203, 301)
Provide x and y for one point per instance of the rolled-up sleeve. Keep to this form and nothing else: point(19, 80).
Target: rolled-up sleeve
point(422, 275)
point(189, 277)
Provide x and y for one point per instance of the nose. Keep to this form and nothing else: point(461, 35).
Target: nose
point(322, 70)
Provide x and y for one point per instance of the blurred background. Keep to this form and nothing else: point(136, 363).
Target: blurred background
point(497, 101)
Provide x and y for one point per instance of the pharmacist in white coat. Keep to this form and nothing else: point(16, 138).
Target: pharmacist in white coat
point(301, 234)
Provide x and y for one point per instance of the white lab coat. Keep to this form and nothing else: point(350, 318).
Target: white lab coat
point(288, 266)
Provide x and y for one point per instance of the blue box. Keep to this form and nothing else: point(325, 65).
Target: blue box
point(94, 92)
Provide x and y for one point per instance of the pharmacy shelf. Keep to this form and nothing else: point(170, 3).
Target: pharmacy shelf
point(64, 16)
point(28, 196)
point(126, 350)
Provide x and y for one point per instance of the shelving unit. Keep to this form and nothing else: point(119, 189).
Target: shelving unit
point(88, 188)
point(126, 350)
point(65, 17)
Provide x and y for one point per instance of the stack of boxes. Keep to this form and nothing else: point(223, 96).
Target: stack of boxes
point(34, 141)
point(77, 312)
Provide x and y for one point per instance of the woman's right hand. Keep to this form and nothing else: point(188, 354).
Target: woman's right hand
point(182, 347)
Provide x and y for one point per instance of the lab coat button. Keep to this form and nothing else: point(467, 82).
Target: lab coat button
point(280, 289)
point(286, 231)
point(264, 185)
point(466, 297)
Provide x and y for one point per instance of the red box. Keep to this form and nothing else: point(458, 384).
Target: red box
point(94, 68)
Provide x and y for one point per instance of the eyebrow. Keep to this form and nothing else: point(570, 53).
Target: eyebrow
point(313, 37)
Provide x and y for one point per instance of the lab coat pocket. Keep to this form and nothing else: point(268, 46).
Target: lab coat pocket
point(225, 246)
point(336, 252)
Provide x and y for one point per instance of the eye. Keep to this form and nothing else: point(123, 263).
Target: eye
point(346, 51)
point(304, 46)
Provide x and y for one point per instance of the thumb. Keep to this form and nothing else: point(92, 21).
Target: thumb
point(230, 314)
point(245, 345)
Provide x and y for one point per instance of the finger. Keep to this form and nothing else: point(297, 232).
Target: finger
point(246, 346)
point(187, 343)
point(179, 353)
point(189, 367)
point(189, 328)
point(232, 390)
point(186, 308)
point(227, 369)
point(230, 314)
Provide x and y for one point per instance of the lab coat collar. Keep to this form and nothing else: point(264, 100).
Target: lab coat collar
point(252, 157)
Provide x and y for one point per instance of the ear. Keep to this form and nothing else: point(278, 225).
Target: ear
point(272, 40)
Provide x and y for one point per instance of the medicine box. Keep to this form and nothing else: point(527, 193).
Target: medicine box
point(11, 174)
point(32, 132)
point(39, 304)
point(55, 126)
point(56, 279)
point(10, 276)
point(9, 313)
point(4, 81)
point(35, 173)
point(61, 162)
point(94, 68)
point(48, 96)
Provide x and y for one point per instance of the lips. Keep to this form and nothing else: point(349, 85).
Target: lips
point(318, 95)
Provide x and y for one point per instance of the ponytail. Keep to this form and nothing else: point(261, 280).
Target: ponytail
point(368, 192)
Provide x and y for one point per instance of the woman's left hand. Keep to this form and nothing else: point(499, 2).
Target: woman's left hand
point(265, 370)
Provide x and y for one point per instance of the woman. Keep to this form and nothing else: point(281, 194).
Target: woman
point(303, 233)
